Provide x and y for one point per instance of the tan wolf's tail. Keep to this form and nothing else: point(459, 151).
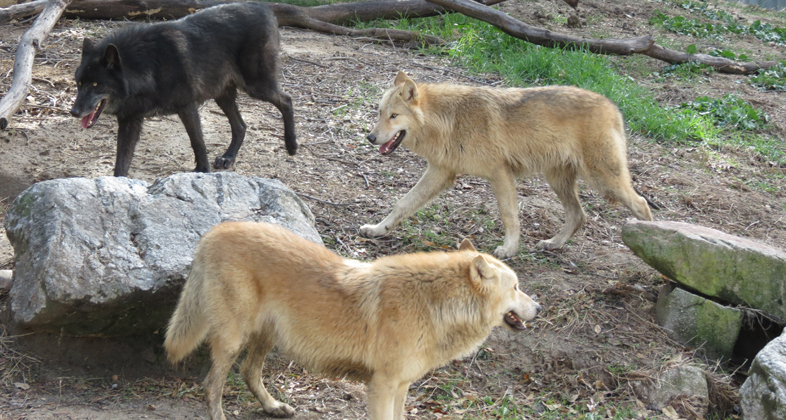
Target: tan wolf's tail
point(189, 325)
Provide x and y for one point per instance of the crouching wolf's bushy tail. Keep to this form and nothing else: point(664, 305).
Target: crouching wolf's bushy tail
point(188, 326)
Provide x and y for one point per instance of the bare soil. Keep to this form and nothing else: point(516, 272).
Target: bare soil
point(597, 335)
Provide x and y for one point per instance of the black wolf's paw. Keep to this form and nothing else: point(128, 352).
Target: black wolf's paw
point(223, 162)
point(292, 149)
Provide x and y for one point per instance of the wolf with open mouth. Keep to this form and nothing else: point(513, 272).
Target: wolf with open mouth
point(386, 322)
point(172, 67)
point(499, 134)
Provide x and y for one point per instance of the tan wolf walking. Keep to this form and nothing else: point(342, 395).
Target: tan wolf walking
point(386, 322)
point(501, 134)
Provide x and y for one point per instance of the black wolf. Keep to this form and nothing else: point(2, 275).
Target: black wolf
point(172, 67)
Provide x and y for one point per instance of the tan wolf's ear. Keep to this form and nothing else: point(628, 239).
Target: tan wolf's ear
point(480, 271)
point(401, 77)
point(466, 245)
point(409, 92)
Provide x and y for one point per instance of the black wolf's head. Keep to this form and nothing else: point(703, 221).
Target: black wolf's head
point(98, 79)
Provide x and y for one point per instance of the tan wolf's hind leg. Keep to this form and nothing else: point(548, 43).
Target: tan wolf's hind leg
point(620, 189)
point(612, 180)
point(563, 181)
point(258, 347)
point(223, 355)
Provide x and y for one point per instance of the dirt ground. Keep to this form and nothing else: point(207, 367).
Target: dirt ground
point(597, 335)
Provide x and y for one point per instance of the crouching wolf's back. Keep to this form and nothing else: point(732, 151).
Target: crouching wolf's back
point(386, 322)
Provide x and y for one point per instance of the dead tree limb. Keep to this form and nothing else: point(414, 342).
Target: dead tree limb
point(327, 18)
point(339, 13)
point(25, 53)
point(19, 11)
point(642, 45)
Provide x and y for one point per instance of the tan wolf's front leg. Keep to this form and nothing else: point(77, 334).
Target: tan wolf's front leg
point(382, 398)
point(400, 401)
point(503, 184)
point(433, 181)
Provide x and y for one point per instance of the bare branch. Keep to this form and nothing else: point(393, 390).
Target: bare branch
point(642, 45)
point(23, 63)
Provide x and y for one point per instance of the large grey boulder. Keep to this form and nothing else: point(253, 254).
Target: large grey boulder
point(732, 269)
point(763, 395)
point(699, 322)
point(683, 381)
point(108, 256)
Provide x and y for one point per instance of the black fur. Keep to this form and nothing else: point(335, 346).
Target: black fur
point(172, 67)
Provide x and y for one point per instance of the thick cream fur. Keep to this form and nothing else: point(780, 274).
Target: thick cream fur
point(386, 322)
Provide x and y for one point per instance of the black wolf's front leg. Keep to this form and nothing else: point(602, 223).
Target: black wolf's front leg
point(189, 115)
point(127, 136)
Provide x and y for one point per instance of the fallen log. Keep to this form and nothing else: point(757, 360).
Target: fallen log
point(23, 63)
point(338, 13)
point(643, 45)
point(20, 11)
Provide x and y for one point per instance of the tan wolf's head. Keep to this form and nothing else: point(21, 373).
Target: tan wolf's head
point(494, 279)
point(399, 115)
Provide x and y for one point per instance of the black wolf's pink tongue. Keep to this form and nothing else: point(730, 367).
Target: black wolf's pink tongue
point(87, 120)
point(385, 148)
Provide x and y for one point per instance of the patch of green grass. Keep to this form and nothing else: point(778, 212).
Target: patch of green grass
point(723, 23)
point(729, 111)
point(773, 78)
point(685, 26)
point(687, 71)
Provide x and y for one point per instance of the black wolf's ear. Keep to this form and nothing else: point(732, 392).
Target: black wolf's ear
point(87, 45)
point(480, 271)
point(112, 57)
point(466, 245)
point(401, 77)
point(409, 92)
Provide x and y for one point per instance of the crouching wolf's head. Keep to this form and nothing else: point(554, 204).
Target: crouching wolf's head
point(99, 81)
point(507, 305)
point(400, 116)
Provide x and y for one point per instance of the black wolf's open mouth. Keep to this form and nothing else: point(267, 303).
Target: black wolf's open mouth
point(390, 146)
point(514, 321)
point(91, 118)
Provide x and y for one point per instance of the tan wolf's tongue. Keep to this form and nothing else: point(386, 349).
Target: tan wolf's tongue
point(386, 147)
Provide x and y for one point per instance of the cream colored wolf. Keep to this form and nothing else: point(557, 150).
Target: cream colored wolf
point(500, 134)
point(387, 322)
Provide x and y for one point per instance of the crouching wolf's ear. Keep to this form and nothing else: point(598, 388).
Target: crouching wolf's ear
point(480, 273)
point(401, 77)
point(466, 245)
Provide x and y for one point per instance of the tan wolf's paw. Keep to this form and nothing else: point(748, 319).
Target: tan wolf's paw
point(503, 252)
point(548, 245)
point(280, 410)
point(373, 231)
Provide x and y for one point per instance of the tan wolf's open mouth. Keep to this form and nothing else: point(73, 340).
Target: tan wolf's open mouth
point(390, 146)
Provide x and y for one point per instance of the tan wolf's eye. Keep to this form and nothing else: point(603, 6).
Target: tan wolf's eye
point(393, 116)
point(95, 84)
